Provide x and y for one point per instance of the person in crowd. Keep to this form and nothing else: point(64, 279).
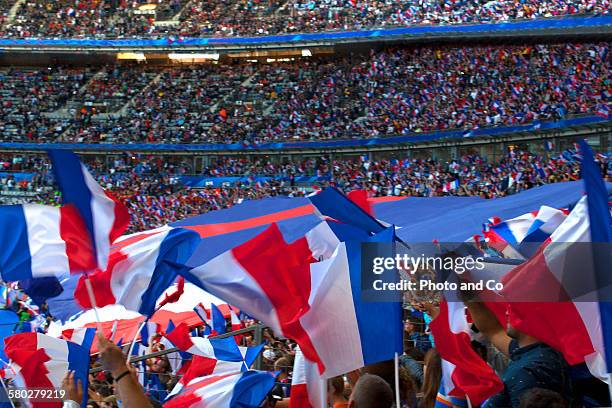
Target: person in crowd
point(371, 391)
point(335, 392)
point(533, 364)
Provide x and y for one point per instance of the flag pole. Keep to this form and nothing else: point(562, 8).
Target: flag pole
point(140, 326)
point(92, 300)
point(397, 382)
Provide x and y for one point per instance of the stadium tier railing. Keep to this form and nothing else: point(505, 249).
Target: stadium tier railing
point(410, 139)
point(539, 25)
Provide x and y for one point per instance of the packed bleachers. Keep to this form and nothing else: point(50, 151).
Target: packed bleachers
point(100, 19)
point(29, 95)
point(152, 190)
point(390, 92)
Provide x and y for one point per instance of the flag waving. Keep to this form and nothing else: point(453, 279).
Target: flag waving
point(105, 218)
point(316, 304)
point(42, 241)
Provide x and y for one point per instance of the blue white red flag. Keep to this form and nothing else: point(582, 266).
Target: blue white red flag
point(42, 241)
point(218, 323)
point(246, 389)
point(139, 269)
point(42, 361)
point(308, 302)
point(105, 218)
point(464, 372)
point(578, 328)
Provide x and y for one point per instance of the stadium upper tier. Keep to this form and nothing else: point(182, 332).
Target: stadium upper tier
point(225, 18)
point(393, 92)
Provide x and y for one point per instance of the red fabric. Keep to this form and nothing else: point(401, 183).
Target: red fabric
point(558, 324)
point(472, 376)
point(360, 197)
point(173, 297)
point(180, 337)
point(22, 350)
point(78, 244)
point(122, 219)
point(299, 396)
point(268, 260)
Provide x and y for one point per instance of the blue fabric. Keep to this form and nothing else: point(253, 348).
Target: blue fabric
point(176, 247)
point(78, 361)
point(15, 257)
point(8, 323)
point(251, 355)
point(251, 389)
point(174, 42)
point(332, 203)
point(226, 349)
point(380, 323)
point(601, 232)
point(63, 307)
point(218, 321)
point(457, 223)
point(355, 141)
point(40, 289)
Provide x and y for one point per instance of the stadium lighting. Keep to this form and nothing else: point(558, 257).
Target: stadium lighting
point(138, 56)
point(193, 57)
point(306, 53)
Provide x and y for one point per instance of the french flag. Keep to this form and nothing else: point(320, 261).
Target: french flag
point(211, 356)
point(140, 269)
point(148, 332)
point(308, 389)
point(42, 241)
point(79, 335)
point(519, 237)
point(202, 313)
point(218, 323)
point(42, 361)
point(464, 372)
point(316, 304)
point(247, 389)
point(568, 268)
point(332, 203)
point(105, 218)
point(234, 320)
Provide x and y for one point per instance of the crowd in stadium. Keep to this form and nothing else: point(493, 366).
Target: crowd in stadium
point(152, 189)
point(391, 92)
point(123, 19)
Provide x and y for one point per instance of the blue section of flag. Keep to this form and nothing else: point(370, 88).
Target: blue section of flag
point(380, 323)
point(600, 223)
point(251, 389)
point(218, 321)
point(176, 247)
point(251, 354)
point(15, 257)
point(226, 349)
point(332, 203)
point(78, 361)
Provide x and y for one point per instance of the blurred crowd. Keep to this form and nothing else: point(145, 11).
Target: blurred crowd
point(196, 18)
point(152, 187)
point(383, 93)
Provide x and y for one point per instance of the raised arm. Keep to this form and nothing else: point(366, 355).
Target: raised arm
point(131, 393)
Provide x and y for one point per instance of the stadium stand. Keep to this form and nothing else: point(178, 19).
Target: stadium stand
point(386, 93)
point(197, 18)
